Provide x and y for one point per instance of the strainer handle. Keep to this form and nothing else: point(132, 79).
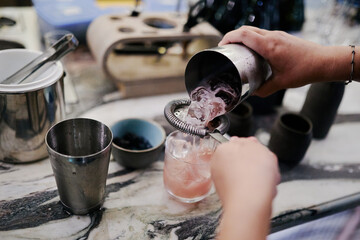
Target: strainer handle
point(218, 137)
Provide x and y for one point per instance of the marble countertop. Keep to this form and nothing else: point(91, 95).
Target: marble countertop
point(137, 206)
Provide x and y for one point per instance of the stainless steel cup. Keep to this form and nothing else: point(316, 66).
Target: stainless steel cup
point(79, 151)
point(234, 64)
point(28, 110)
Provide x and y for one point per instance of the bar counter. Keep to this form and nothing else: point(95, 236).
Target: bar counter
point(137, 206)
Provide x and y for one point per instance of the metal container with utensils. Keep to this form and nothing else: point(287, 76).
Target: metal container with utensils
point(28, 110)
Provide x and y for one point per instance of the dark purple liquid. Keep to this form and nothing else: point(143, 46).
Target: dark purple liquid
point(132, 142)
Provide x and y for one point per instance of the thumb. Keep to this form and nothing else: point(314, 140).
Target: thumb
point(267, 88)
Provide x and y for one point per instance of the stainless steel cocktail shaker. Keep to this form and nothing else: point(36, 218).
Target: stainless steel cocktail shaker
point(234, 65)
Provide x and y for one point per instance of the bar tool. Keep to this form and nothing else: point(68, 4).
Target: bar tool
point(215, 129)
point(41, 63)
point(79, 151)
point(235, 65)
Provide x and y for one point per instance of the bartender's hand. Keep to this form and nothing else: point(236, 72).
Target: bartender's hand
point(245, 174)
point(294, 61)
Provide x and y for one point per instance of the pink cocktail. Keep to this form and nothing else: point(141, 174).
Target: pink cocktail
point(187, 166)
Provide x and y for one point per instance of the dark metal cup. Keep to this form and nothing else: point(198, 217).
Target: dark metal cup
point(79, 151)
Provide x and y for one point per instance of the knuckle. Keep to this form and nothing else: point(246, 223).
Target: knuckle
point(243, 32)
point(273, 43)
point(253, 139)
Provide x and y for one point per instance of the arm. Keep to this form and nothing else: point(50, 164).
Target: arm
point(245, 174)
point(294, 61)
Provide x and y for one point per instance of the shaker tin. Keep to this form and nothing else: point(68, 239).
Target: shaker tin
point(237, 65)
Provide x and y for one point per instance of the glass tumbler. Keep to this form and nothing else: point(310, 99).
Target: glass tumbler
point(187, 175)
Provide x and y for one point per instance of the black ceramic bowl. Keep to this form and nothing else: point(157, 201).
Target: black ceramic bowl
point(137, 143)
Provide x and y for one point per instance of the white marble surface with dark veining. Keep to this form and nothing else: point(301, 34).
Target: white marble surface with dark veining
point(137, 206)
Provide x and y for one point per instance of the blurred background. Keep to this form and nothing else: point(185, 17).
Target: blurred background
point(158, 37)
point(328, 16)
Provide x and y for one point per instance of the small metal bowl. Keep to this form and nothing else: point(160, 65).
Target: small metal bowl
point(148, 130)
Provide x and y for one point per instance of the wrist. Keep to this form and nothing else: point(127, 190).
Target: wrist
point(258, 204)
point(245, 218)
point(337, 63)
point(254, 194)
